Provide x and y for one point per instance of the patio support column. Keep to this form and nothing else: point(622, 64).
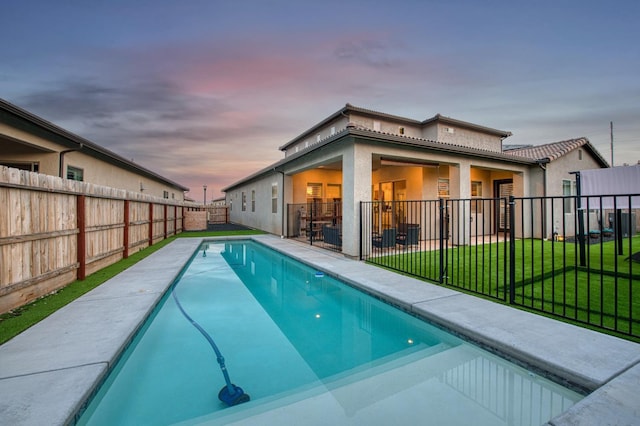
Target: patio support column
point(460, 188)
point(356, 180)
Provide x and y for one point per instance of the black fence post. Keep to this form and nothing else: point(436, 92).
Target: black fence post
point(579, 213)
point(441, 248)
point(361, 239)
point(512, 249)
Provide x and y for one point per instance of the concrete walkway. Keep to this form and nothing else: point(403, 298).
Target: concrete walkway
point(49, 371)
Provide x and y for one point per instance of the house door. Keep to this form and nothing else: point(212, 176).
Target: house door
point(503, 189)
point(391, 212)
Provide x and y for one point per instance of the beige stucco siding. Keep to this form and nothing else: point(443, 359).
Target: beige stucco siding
point(469, 138)
point(560, 169)
point(102, 173)
point(261, 217)
point(394, 127)
point(324, 132)
point(28, 141)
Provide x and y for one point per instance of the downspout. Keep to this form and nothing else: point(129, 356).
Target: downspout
point(61, 158)
point(282, 213)
point(543, 166)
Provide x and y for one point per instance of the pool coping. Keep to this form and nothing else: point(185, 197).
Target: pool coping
point(49, 371)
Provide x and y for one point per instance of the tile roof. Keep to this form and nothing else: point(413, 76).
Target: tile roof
point(553, 151)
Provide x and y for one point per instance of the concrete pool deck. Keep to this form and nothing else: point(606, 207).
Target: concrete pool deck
point(48, 371)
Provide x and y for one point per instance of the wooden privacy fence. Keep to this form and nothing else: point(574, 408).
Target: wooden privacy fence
point(54, 231)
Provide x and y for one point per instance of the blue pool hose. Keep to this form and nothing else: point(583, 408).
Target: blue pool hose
point(230, 394)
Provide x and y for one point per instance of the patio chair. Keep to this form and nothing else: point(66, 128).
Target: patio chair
point(386, 240)
point(409, 237)
point(332, 235)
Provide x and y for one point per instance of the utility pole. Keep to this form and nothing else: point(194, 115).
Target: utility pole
point(611, 127)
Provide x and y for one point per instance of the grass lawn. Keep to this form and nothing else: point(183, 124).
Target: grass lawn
point(604, 293)
point(16, 321)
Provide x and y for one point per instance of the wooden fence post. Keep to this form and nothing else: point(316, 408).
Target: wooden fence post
point(165, 221)
point(81, 246)
point(150, 224)
point(126, 230)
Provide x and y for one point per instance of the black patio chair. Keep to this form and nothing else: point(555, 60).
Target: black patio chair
point(386, 240)
point(410, 237)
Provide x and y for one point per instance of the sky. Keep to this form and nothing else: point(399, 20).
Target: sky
point(204, 92)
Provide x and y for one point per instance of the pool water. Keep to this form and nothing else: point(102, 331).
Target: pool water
point(291, 335)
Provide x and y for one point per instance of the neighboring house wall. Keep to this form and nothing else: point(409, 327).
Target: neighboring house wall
point(27, 139)
point(561, 168)
point(557, 171)
point(102, 173)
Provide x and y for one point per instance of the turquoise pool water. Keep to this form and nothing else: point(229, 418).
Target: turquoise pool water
point(293, 337)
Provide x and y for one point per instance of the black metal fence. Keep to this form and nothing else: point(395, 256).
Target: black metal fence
point(572, 257)
point(316, 223)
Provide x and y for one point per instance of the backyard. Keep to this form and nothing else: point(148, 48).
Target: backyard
point(547, 276)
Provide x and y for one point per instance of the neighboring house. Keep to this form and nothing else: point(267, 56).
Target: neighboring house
point(555, 177)
point(219, 202)
point(359, 155)
point(28, 142)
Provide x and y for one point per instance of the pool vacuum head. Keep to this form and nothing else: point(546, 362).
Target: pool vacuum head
point(233, 396)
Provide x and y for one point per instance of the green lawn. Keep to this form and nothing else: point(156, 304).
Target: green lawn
point(605, 292)
point(16, 321)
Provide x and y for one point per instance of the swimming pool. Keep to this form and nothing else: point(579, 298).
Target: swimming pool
point(292, 337)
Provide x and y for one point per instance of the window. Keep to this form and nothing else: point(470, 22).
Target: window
point(165, 194)
point(274, 198)
point(401, 130)
point(253, 200)
point(579, 154)
point(74, 173)
point(333, 130)
point(376, 125)
point(318, 137)
point(443, 187)
point(476, 192)
point(476, 188)
point(244, 201)
point(568, 189)
point(31, 167)
point(314, 191)
point(334, 199)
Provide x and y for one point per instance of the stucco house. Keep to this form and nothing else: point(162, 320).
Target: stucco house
point(28, 142)
point(357, 155)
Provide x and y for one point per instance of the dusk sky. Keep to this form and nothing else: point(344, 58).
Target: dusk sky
point(204, 92)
